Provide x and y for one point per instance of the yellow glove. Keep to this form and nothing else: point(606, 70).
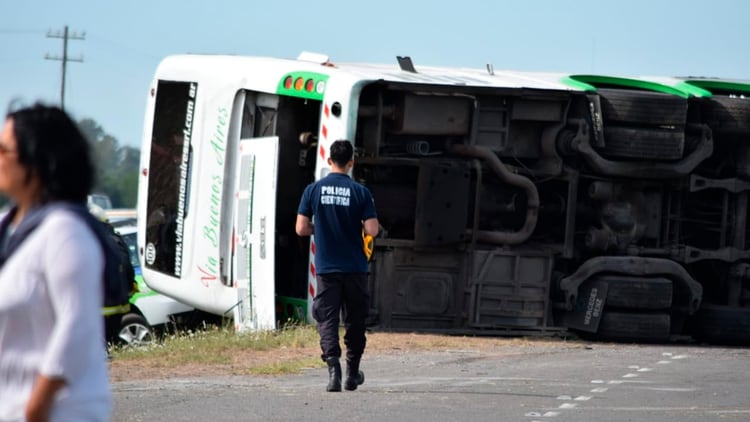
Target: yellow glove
point(368, 244)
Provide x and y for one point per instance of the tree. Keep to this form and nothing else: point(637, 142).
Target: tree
point(116, 166)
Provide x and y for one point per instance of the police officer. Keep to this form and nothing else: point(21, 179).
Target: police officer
point(334, 209)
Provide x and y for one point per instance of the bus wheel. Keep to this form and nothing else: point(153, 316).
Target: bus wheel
point(627, 326)
point(721, 324)
point(727, 114)
point(642, 107)
point(637, 292)
point(643, 143)
point(135, 331)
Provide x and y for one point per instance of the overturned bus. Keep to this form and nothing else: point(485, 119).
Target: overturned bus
point(510, 202)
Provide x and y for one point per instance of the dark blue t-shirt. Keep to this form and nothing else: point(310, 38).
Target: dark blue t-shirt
point(338, 205)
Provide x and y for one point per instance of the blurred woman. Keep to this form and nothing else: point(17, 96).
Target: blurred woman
point(52, 362)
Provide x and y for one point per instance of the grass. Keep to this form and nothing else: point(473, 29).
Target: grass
point(294, 366)
point(215, 346)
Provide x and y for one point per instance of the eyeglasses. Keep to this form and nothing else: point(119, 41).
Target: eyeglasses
point(5, 150)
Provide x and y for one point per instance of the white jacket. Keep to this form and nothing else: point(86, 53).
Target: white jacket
point(51, 323)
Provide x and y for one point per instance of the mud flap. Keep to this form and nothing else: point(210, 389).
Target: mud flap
point(587, 312)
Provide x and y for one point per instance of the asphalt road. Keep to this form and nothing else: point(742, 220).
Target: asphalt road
point(547, 383)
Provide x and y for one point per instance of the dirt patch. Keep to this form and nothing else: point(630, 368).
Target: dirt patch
point(244, 360)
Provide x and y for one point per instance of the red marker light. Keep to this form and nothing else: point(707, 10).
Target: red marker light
point(288, 82)
point(309, 85)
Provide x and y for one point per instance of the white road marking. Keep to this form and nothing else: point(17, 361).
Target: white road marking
point(599, 390)
point(542, 415)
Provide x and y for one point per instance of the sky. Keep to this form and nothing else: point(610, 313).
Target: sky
point(124, 41)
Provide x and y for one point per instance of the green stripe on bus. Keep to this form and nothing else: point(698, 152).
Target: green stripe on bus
point(599, 81)
point(720, 87)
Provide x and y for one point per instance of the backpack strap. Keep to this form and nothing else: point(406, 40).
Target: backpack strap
point(4, 227)
point(31, 221)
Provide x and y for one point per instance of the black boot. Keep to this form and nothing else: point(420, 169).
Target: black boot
point(354, 377)
point(334, 374)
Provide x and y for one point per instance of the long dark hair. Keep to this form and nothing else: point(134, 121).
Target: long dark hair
point(52, 146)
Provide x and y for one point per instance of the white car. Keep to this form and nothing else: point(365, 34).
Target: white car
point(150, 312)
point(100, 200)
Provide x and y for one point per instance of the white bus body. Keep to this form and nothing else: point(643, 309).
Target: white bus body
point(510, 201)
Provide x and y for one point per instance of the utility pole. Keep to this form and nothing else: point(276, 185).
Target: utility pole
point(65, 35)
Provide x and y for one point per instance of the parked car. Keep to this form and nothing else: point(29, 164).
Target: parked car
point(101, 200)
point(151, 313)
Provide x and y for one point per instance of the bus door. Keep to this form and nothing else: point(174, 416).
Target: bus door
point(254, 228)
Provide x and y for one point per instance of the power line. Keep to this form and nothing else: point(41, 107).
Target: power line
point(65, 35)
point(20, 31)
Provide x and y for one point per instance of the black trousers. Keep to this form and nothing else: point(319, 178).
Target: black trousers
point(341, 294)
point(112, 328)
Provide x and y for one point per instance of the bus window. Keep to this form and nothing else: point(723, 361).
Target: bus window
point(168, 183)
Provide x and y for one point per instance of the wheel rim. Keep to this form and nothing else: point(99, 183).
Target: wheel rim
point(135, 335)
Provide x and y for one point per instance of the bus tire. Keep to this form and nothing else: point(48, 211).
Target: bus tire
point(642, 107)
point(725, 114)
point(627, 326)
point(643, 143)
point(719, 324)
point(629, 292)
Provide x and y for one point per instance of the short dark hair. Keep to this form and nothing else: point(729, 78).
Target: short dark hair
point(52, 146)
point(342, 152)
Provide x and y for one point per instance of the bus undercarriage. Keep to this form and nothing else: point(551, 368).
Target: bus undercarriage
point(621, 214)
